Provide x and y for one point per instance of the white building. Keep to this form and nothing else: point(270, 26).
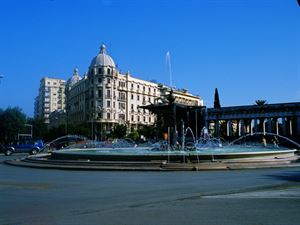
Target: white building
point(51, 97)
point(105, 96)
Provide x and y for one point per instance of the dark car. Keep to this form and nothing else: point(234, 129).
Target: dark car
point(31, 147)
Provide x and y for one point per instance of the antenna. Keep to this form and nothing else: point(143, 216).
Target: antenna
point(168, 61)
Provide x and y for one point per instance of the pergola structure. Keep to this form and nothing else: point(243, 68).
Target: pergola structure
point(174, 117)
point(282, 118)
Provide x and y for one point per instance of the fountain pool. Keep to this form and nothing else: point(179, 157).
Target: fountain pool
point(155, 154)
point(206, 154)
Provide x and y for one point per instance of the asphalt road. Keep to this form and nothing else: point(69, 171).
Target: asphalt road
point(40, 196)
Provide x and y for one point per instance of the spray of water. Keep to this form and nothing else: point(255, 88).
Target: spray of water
point(168, 61)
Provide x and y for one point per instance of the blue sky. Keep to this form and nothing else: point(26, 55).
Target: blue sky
point(248, 49)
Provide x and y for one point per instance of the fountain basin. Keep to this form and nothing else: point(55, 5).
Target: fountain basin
point(147, 154)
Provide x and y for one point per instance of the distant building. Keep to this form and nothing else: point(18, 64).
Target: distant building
point(106, 97)
point(51, 97)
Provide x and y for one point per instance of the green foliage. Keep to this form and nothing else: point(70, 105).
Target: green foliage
point(119, 131)
point(148, 131)
point(82, 129)
point(39, 128)
point(260, 102)
point(217, 104)
point(134, 135)
point(12, 122)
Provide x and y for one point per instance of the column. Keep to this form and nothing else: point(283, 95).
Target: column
point(289, 126)
point(263, 126)
point(276, 126)
point(238, 127)
point(229, 128)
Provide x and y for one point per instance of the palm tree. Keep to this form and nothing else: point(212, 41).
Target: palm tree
point(260, 102)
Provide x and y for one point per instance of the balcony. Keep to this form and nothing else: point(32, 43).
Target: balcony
point(108, 96)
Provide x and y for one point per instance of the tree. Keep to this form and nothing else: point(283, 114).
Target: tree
point(148, 131)
point(39, 128)
point(261, 102)
point(119, 131)
point(217, 104)
point(134, 135)
point(12, 121)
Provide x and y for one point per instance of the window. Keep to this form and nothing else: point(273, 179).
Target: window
point(144, 118)
point(122, 116)
point(131, 85)
point(99, 80)
point(149, 89)
point(138, 86)
point(122, 96)
point(108, 93)
point(108, 80)
point(114, 104)
point(99, 93)
point(108, 103)
point(138, 118)
point(132, 107)
point(108, 115)
point(132, 118)
point(121, 105)
point(108, 71)
point(138, 97)
point(149, 119)
point(144, 88)
point(131, 96)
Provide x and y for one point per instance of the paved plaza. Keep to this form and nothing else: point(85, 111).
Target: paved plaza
point(41, 196)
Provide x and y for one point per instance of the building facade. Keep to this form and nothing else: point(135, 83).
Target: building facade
point(51, 97)
point(105, 96)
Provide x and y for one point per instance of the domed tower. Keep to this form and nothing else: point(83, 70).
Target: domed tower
point(102, 64)
point(103, 79)
point(74, 79)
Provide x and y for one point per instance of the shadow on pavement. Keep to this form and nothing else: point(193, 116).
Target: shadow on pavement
point(288, 176)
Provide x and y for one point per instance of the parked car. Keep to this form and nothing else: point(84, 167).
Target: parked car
point(29, 146)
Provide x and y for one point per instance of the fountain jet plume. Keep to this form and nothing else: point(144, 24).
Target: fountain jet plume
point(168, 61)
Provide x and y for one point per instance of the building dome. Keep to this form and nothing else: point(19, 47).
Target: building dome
point(75, 78)
point(102, 59)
